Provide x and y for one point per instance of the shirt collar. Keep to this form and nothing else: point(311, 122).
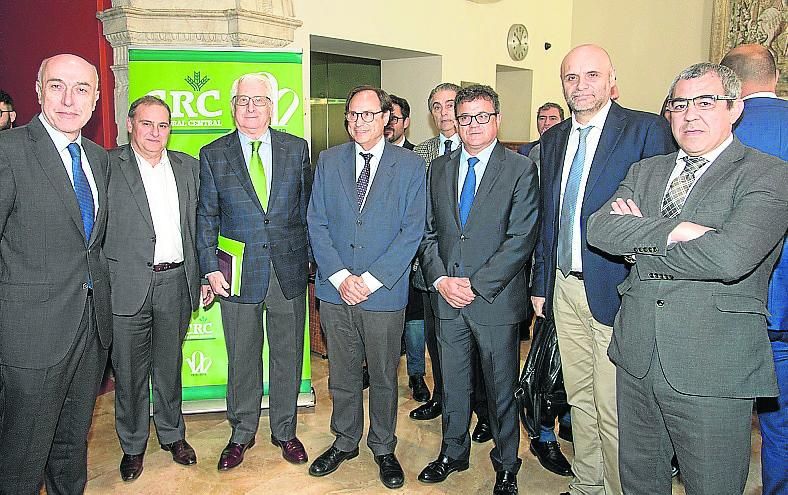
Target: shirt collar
point(760, 94)
point(711, 155)
point(377, 150)
point(597, 121)
point(483, 155)
point(142, 160)
point(61, 140)
point(245, 139)
point(455, 139)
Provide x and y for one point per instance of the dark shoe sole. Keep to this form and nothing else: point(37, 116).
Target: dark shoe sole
point(351, 455)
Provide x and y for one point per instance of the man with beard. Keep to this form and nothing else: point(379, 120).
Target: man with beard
point(7, 113)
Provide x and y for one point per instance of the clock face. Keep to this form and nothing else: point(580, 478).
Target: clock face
point(517, 42)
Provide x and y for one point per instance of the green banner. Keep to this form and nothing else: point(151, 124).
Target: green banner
point(196, 84)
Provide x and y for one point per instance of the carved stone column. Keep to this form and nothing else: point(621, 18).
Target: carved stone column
point(227, 23)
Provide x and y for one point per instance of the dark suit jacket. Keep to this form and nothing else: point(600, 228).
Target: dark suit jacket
point(130, 239)
point(495, 245)
point(229, 205)
point(408, 145)
point(527, 147)
point(628, 136)
point(380, 239)
point(45, 260)
point(703, 302)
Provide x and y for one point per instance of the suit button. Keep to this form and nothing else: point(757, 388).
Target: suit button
point(462, 237)
point(352, 246)
point(265, 246)
point(149, 263)
point(84, 286)
point(456, 265)
point(660, 303)
point(359, 222)
point(152, 239)
point(650, 275)
point(266, 221)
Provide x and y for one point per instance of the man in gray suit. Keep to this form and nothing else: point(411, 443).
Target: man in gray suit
point(704, 227)
point(155, 282)
point(482, 216)
point(366, 218)
point(55, 318)
point(254, 188)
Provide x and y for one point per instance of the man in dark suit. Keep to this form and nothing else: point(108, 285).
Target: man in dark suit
point(55, 318)
point(7, 113)
point(547, 116)
point(482, 220)
point(155, 285)
point(583, 160)
point(704, 228)
point(254, 188)
point(764, 126)
point(366, 218)
point(398, 123)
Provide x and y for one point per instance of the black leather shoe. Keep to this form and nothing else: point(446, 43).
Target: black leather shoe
point(329, 461)
point(482, 432)
point(181, 451)
point(551, 458)
point(565, 432)
point(364, 378)
point(505, 483)
point(420, 391)
point(233, 454)
point(390, 471)
point(131, 466)
point(430, 410)
point(439, 469)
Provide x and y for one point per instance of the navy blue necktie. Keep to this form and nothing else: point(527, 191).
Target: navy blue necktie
point(82, 189)
point(447, 147)
point(468, 191)
point(362, 183)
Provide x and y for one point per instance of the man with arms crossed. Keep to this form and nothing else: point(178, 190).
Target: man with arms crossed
point(704, 227)
point(55, 317)
point(254, 188)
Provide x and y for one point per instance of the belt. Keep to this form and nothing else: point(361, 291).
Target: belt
point(163, 267)
point(577, 275)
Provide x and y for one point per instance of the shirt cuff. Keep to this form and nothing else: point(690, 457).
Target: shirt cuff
point(435, 284)
point(372, 283)
point(339, 277)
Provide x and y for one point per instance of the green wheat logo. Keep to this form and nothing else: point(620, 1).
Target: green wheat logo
point(197, 82)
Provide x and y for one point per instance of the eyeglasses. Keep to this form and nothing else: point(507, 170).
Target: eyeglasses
point(258, 101)
point(702, 102)
point(481, 118)
point(6, 111)
point(394, 119)
point(366, 116)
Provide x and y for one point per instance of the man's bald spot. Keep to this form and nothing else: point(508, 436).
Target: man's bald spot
point(66, 57)
point(588, 50)
point(752, 63)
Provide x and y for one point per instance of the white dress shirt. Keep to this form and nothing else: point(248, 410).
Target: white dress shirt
point(61, 145)
point(264, 151)
point(377, 152)
point(455, 142)
point(592, 141)
point(162, 193)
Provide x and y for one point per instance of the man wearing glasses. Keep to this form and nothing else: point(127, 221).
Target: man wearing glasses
point(366, 219)
point(7, 113)
point(482, 221)
point(254, 188)
point(703, 227)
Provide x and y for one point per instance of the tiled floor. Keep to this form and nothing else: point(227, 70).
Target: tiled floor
point(265, 472)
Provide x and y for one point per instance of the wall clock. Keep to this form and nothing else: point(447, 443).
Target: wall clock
point(517, 42)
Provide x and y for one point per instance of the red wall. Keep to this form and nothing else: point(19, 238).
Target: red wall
point(31, 30)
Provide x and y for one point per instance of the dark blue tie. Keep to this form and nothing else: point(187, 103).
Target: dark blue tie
point(82, 189)
point(468, 191)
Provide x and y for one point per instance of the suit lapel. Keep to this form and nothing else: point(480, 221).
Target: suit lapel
point(131, 171)
point(347, 174)
point(278, 156)
point(709, 181)
point(558, 168)
point(235, 158)
point(491, 174)
point(658, 182)
point(52, 164)
point(382, 178)
point(182, 185)
point(99, 177)
point(611, 133)
point(452, 177)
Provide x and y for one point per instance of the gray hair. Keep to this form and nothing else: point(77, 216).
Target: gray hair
point(446, 86)
point(731, 83)
point(257, 76)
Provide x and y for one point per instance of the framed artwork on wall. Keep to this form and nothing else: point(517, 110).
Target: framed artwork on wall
point(735, 22)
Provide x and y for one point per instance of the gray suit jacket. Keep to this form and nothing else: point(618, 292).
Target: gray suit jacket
point(494, 247)
point(45, 261)
point(131, 240)
point(429, 149)
point(702, 302)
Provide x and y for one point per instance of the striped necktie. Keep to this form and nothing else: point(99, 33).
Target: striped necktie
point(680, 186)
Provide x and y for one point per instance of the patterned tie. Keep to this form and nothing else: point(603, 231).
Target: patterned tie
point(363, 180)
point(569, 206)
point(468, 191)
point(680, 186)
point(82, 190)
point(447, 147)
point(257, 174)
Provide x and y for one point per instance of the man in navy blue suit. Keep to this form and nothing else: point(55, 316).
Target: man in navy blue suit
point(366, 219)
point(254, 188)
point(764, 126)
point(583, 161)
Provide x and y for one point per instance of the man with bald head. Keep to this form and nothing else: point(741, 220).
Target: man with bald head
point(764, 126)
point(583, 160)
point(55, 317)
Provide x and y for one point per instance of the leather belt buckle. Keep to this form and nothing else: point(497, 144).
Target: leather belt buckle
point(577, 275)
point(163, 267)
